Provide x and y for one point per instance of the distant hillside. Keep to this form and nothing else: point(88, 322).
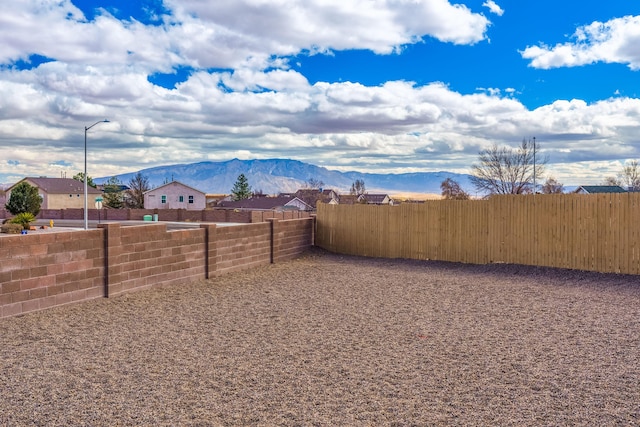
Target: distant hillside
point(281, 175)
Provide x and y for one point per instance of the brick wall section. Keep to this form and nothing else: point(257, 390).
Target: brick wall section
point(39, 271)
point(173, 215)
point(261, 216)
point(42, 270)
point(242, 247)
point(291, 238)
point(150, 256)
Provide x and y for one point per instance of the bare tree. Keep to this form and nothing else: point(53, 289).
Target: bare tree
point(451, 190)
point(313, 183)
point(357, 188)
point(630, 176)
point(612, 180)
point(138, 185)
point(505, 170)
point(552, 186)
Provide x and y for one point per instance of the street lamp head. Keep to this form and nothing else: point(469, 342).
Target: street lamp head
point(86, 128)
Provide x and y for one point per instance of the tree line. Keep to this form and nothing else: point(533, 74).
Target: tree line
point(507, 170)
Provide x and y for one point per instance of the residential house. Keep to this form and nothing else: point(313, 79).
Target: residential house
point(60, 193)
point(311, 196)
point(214, 199)
point(175, 195)
point(349, 199)
point(599, 189)
point(263, 203)
point(375, 199)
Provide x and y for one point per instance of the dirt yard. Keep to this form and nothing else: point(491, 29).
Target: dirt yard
point(330, 340)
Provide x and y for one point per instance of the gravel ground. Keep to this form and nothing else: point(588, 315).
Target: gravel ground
point(336, 340)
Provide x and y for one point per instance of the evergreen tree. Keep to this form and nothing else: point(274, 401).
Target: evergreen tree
point(24, 198)
point(241, 189)
point(80, 177)
point(113, 194)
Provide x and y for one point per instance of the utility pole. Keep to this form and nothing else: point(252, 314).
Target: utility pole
point(534, 166)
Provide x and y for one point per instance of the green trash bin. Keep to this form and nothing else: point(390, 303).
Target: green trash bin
point(147, 218)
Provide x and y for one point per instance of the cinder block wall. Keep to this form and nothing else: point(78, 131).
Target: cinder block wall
point(177, 215)
point(238, 248)
point(148, 256)
point(290, 238)
point(42, 270)
point(39, 271)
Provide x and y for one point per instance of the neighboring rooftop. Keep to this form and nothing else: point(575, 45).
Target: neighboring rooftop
point(59, 185)
point(599, 189)
point(265, 203)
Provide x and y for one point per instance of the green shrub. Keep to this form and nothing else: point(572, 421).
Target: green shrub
point(10, 228)
point(24, 198)
point(24, 219)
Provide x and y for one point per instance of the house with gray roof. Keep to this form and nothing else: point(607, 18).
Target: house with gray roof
point(263, 203)
point(375, 199)
point(60, 193)
point(599, 189)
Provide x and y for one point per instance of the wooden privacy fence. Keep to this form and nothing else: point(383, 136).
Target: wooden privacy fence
point(596, 232)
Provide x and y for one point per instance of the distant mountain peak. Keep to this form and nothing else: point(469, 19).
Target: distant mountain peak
point(273, 176)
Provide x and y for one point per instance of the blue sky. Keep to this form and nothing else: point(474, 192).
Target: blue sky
point(369, 85)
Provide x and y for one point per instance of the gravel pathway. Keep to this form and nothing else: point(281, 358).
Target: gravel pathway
point(329, 340)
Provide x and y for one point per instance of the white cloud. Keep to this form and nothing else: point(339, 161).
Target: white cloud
point(228, 33)
point(614, 41)
point(493, 7)
point(343, 125)
point(285, 27)
point(258, 107)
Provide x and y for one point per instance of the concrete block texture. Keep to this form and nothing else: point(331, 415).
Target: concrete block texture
point(39, 271)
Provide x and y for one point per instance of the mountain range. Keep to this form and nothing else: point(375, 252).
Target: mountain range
point(273, 176)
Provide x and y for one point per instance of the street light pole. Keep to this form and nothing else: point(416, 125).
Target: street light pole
point(86, 213)
point(534, 166)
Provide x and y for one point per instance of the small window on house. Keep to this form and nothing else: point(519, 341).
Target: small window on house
point(191, 199)
point(163, 199)
point(181, 199)
point(70, 195)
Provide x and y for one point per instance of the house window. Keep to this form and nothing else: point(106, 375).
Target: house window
point(191, 199)
point(181, 199)
point(163, 199)
point(70, 195)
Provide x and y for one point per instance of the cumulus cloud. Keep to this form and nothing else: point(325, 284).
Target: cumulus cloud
point(340, 125)
point(614, 41)
point(493, 7)
point(242, 100)
point(233, 33)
